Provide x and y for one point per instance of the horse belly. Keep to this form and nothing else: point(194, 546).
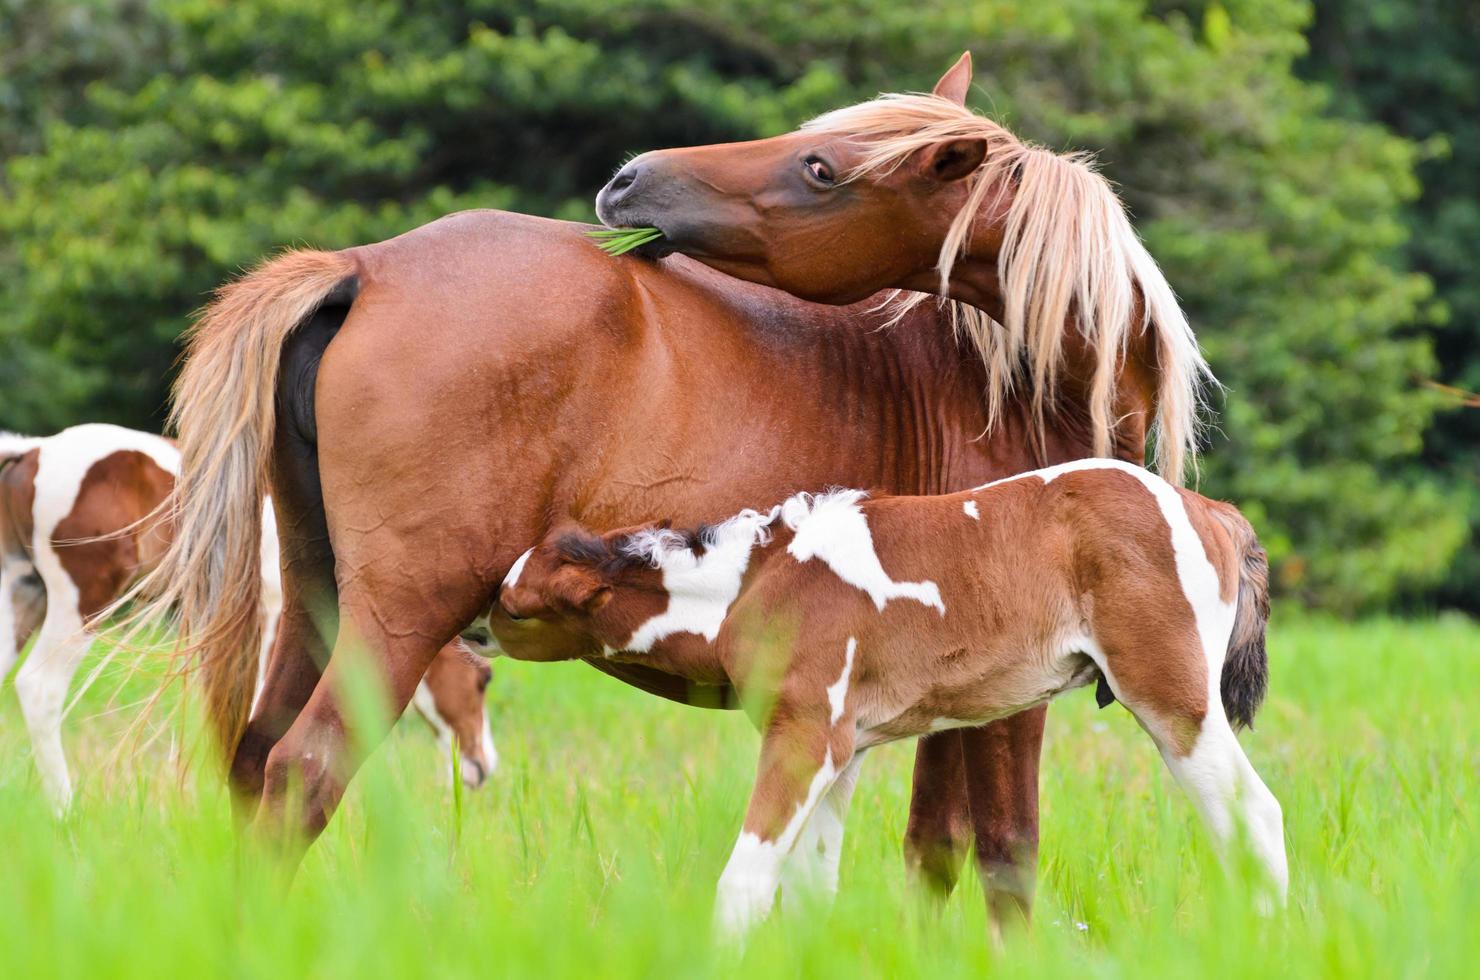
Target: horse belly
point(1001, 682)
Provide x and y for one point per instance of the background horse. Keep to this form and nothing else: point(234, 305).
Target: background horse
point(557, 382)
point(77, 526)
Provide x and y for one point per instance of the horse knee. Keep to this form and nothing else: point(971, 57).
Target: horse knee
point(302, 779)
point(933, 856)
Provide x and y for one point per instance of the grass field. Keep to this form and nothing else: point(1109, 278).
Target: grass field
point(595, 848)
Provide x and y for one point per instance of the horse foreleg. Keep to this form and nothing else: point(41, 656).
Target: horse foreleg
point(939, 831)
point(1002, 781)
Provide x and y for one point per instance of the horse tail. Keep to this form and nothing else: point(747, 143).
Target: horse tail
point(224, 413)
point(1246, 665)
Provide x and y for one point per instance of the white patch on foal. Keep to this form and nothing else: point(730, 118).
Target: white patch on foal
point(837, 692)
point(516, 570)
point(700, 587)
point(971, 510)
point(832, 527)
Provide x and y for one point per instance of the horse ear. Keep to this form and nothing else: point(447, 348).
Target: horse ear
point(951, 160)
point(956, 82)
point(581, 588)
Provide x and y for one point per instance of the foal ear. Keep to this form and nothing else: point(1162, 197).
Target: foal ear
point(956, 82)
point(581, 588)
point(954, 159)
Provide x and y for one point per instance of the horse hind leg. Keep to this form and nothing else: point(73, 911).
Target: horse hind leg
point(1164, 682)
point(394, 617)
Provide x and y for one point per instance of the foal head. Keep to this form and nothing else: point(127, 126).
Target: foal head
point(454, 705)
point(628, 589)
point(595, 586)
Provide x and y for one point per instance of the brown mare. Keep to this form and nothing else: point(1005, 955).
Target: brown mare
point(848, 622)
point(75, 530)
point(558, 383)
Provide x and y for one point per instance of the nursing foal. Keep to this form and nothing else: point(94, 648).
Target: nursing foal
point(76, 529)
point(853, 621)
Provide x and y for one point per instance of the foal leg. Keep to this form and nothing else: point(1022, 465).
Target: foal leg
point(812, 868)
point(802, 757)
point(41, 685)
point(1002, 781)
point(1223, 785)
point(1165, 683)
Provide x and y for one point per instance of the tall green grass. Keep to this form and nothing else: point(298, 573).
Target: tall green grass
point(595, 848)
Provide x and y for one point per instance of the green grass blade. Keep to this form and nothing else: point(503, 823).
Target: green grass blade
point(620, 241)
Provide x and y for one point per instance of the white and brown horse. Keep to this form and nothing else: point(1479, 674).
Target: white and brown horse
point(77, 526)
point(850, 622)
point(423, 409)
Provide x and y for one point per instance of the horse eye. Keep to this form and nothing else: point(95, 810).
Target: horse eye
point(818, 169)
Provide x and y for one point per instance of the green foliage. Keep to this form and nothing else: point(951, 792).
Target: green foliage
point(222, 130)
point(1412, 66)
point(595, 848)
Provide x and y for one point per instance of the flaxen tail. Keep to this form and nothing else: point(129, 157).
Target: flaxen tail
point(1246, 667)
point(224, 414)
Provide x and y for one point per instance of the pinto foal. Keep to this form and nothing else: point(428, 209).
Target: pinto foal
point(858, 621)
point(75, 531)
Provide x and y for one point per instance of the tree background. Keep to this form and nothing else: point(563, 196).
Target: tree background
point(1308, 175)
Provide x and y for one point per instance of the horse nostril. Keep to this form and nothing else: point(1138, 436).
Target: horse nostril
point(623, 180)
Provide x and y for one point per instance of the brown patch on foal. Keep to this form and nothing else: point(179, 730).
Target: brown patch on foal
point(17, 494)
point(116, 492)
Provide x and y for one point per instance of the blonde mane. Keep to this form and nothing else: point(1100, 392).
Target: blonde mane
point(1068, 250)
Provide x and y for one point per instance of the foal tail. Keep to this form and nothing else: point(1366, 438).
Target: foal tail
point(1246, 666)
point(224, 413)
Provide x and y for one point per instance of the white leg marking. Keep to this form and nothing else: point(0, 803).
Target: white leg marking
point(837, 692)
point(812, 866)
point(837, 532)
point(1228, 793)
point(751, 876)
point(41, 685)
point(971, 510)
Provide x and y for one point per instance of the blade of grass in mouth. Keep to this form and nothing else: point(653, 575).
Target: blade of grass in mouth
point(619, 241)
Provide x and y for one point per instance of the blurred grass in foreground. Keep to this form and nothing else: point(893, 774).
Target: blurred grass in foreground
point(596, 846)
